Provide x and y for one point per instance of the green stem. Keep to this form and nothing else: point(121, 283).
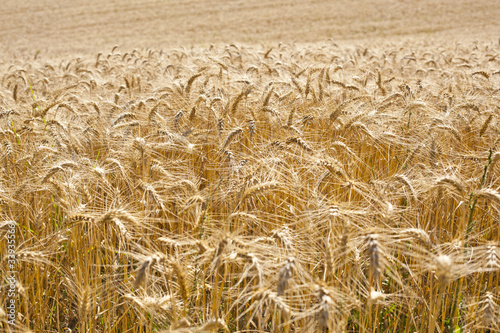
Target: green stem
point(15, 134)
point(470, 224)
point(32, 92)
point(97, 158)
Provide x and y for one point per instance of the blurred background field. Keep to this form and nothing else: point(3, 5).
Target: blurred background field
point(57, 27)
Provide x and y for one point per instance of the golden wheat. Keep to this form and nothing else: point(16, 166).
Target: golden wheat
point(294, 188)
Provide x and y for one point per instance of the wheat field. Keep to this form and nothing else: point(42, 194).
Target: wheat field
point(320, 188)
point(249, 166)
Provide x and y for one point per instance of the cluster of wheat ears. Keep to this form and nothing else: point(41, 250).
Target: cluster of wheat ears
point(319, 188)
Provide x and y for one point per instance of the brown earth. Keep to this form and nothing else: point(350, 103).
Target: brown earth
point(58, 28)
